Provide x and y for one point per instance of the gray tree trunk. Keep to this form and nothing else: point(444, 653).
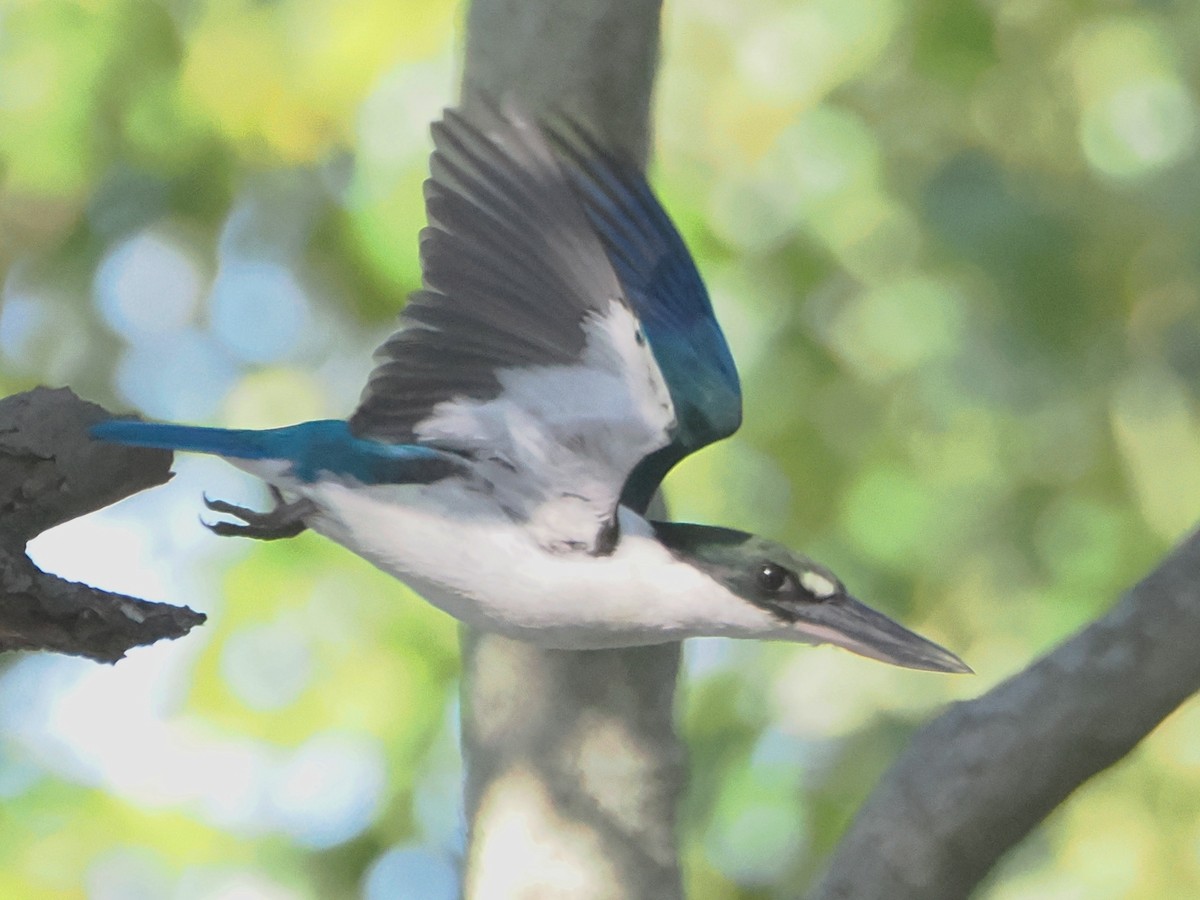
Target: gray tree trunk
point(574, 770)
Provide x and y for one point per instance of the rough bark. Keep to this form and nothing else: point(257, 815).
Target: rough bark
point(973, 782)
point(51, 471)
point(574, 768)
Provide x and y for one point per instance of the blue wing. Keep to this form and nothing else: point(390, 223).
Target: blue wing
point(662, 284)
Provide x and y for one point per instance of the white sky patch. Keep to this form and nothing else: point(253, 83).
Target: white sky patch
point(148, 284)
point(708, 656)
point(24, 316)
point(388, 142)
point(127, 873)
point(260, 310)
point(410, 872)
point(1143, 126)
point(111, 551)
point(112, 727)
point(181, 377)
point(268, 666)
point(224, 884)
point(330, 789)
point(152, 545)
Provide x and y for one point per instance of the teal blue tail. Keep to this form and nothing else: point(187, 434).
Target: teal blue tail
point(235, 443)
point(312, 449)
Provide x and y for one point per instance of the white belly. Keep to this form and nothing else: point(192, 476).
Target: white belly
point(464, 555)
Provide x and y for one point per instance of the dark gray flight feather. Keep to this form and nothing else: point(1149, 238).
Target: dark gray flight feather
point(512, 266)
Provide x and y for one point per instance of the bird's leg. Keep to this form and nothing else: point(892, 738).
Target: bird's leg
point(284, 521)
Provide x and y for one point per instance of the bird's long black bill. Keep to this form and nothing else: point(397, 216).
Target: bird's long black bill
point(856, 627)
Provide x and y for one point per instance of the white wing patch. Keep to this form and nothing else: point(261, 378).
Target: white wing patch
point(557, 445)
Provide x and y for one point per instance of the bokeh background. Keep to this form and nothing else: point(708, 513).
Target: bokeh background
point(955, 248)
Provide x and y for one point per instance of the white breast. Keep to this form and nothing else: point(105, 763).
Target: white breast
point(462, 553)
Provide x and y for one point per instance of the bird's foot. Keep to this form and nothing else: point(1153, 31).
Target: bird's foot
point(284, 521)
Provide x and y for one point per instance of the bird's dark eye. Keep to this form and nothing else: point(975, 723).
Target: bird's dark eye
point(772, 577)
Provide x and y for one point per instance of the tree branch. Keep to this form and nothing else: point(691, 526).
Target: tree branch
point(50, 472)
point(976, 780)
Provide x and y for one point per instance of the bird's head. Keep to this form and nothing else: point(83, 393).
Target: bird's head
point(800, 600)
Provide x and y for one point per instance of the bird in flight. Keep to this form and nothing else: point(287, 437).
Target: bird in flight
point(560, 359)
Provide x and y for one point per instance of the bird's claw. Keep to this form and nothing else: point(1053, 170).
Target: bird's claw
point(285, 520)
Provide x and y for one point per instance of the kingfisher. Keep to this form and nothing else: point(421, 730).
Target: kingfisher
point(561, 357)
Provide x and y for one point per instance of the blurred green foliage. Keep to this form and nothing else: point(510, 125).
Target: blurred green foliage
point(953, 244)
